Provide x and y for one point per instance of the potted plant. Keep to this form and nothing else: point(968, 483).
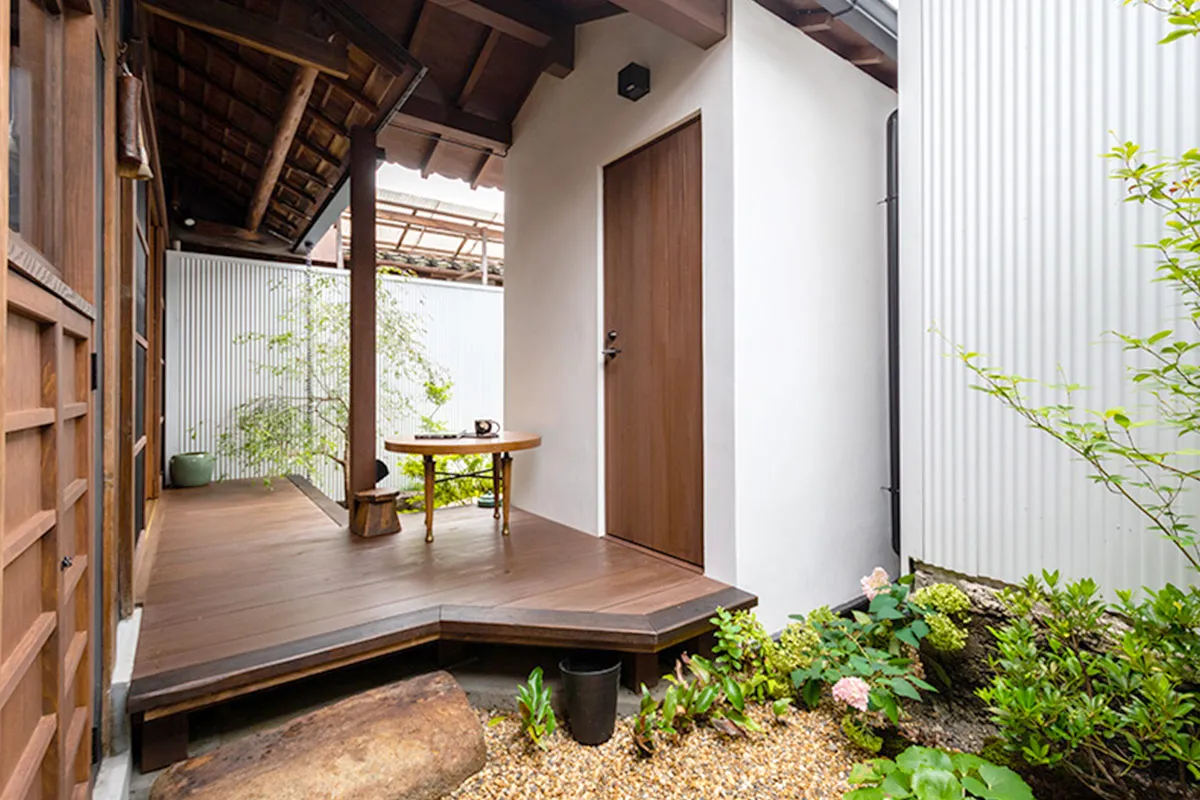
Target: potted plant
point(194, 468)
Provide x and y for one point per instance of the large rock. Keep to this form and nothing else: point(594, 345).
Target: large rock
point(413, 740)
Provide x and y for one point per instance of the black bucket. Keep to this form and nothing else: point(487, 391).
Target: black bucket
point(590, 682)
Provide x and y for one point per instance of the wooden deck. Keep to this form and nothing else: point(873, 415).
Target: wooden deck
point(251, 588)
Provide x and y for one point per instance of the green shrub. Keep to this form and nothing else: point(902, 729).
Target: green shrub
point(945, 636)
point(860, 734)
point(797, 645)
point(876, 647)
point(534, 711)
point(448, 493)
point(924, 773)
point(949, 607)
point(704, 695)
point(1071, 693)
point(744, 651)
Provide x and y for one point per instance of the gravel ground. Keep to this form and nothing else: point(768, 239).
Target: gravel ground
point(806, 758)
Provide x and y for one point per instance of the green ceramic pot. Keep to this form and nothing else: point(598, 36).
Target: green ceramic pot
point(191, 469)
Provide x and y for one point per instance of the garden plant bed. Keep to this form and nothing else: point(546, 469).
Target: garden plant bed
point(806, 757)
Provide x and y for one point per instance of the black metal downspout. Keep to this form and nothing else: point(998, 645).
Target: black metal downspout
point(893, 320)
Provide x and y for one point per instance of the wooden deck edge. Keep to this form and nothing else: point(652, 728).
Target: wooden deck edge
point(321, 500)
point(189, 688)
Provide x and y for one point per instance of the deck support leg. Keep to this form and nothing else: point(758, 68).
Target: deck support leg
point(703, 644)
point(497, 488)
point(506, 479)
point(640, 668)
point(162, 741)
point(430, 490)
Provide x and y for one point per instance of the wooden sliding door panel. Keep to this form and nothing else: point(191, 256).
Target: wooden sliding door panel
point(654, 385)
point(45, 653)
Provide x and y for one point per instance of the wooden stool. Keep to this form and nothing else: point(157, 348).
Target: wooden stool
point(375, 512)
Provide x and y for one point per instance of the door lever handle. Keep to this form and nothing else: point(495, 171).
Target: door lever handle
point(611, 352)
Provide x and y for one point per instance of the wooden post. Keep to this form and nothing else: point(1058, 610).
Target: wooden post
point(362, 312)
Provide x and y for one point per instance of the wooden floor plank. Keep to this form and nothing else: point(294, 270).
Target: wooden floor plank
point(244, 575)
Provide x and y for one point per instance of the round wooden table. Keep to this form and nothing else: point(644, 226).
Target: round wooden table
point(501, 448)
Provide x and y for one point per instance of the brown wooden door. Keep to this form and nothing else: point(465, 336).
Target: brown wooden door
point(654, 386)
point(45, 575)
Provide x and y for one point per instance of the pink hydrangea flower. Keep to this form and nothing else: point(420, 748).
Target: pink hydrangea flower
point(854, 692)
point(875, 583)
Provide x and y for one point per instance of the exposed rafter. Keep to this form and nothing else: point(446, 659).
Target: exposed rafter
point(701, 22)
point(285, 132)
point(526, 21)
point(370, 39)
point(478, 66)
point(257, 31)
point(453, 124)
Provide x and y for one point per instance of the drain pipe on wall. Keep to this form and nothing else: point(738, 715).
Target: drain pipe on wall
point(893, 320)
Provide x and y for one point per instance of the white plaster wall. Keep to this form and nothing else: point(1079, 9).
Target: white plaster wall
point(811, 313)
point(567, 131)
point(794, 294)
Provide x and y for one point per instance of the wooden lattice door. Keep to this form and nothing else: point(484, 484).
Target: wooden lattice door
point(45, 580)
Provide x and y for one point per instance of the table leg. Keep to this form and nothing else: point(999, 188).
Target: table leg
point(506, 480)
point(496, 487)
point(429, 485)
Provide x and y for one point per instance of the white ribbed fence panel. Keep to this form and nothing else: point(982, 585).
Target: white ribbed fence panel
point(1015, 243)
point(212, 300)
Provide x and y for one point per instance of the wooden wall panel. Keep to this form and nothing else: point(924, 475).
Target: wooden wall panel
point(46, 291)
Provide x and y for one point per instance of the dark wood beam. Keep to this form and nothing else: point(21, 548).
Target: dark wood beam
point(191, 71)
point(814, 21)
point(477, 68)
point(433, 118)
point(226, 126)
point(866, 57)
point(361, 434)
point(429, 163)
point(701, 22)
point(289, 121)
point(231, 52)
point(482, 168)
point(257, 31)
point(516, 18)
point(370, 39)
point(526, 21)
point(420, 30)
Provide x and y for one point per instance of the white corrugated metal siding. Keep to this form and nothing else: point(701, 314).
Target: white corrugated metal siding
point(212, 300)
point(1015, 243)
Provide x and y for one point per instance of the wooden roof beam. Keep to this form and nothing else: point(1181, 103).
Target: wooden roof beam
point(526, 21)
point(257, 31)
point(194, 73)
point(478, 66)
point(289, 122)
point(866, 57)
point(371, 40)
point(453, 124)
point(701, 22)
point(482, 168)
point(814, 21)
